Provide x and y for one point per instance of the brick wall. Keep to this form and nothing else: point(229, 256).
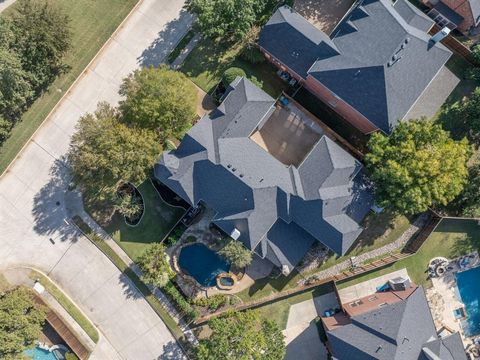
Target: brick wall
point(340, 106)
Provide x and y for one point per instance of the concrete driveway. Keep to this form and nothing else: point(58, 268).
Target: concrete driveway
point(33, 228)
point(301, 333)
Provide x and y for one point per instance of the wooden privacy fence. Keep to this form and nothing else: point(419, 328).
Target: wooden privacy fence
point(410, 249)
point(64, 331)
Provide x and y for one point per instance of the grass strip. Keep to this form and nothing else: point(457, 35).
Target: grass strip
point(70, 307)
point(139, 284)
point(180, 46)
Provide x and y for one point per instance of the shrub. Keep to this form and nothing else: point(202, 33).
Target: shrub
point(212, 302)
point(180, 303)
point(175, 235)
point(231, 74)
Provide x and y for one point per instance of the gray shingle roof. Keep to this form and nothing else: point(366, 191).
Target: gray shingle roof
point(447, 348)
point(413, 16)
point(398, 331)
point(383, 59)
point(475, 6)
point(292, 39)
point(279, 210)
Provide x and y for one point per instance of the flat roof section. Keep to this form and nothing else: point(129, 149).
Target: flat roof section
point(288, 135)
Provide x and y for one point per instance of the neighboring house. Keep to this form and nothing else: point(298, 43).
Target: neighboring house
point(461, 14)
point(391, 325)
point(374, 67)
point(275, 198)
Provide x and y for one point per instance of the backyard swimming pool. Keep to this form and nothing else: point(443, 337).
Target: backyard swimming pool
point(39, 354)
point(203, 264)
point(469, 289)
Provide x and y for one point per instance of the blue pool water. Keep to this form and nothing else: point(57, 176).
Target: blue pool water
point(40, 354)
point(203, 264)
point(468, 283)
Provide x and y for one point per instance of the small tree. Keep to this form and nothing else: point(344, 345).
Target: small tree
point(154, 265)
point(417, 166)
point(159, 99)
point(237, 254)
point(227, 19)
point(250, 51)
point(231, 74)
point(128, 205)
point(21, 321)
point(242, 335)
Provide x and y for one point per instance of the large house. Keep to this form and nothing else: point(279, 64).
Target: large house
point(274, 179)
point(378, 67)
point(463, 15)
point(395, 324)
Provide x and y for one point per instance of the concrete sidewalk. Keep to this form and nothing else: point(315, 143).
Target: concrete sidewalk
point(32, 204)
point(5, 4)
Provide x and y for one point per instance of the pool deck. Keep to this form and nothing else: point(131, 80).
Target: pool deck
point(444, 298)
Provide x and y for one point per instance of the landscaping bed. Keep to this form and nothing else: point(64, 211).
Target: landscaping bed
point(159, 218)
point(92, 24)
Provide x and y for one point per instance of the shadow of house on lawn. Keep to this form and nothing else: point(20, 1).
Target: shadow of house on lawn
point(49, 208)
point(166, 40)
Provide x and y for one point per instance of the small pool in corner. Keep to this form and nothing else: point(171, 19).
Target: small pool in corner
point(468, 284)
point(202, 264)
point(40, 354)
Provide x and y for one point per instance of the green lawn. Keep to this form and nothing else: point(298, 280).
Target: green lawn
point(92, 24)
point(207, 62)
point(279, 310)
point(70, 307)
point(380, 229)
point(157, 221)
point(452, 238)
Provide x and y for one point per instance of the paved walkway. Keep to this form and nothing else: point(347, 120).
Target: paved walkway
point(419, 222)
point(32, 212)
point(5, 3)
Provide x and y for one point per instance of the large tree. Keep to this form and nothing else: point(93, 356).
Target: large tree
point(104, 153)
point(21, 321)
point(42, 36)
point(417, 166)
point(228, 19)
point(154, 265)
point(159, 99)
point(237, 254)
point(15, 87)
point(242, 336)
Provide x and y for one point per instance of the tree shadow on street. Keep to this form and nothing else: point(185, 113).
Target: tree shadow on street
point(171, 351)
point(130, 289)
point(166, 40)
point(49, 210)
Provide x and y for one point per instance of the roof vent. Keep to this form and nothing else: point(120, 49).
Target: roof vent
point(394, 57)
point(234, 169)
point(261, 180)
point(229, 166)
point(379, 348)
point(295, 54)
point(241, 175)
point(407, 40)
